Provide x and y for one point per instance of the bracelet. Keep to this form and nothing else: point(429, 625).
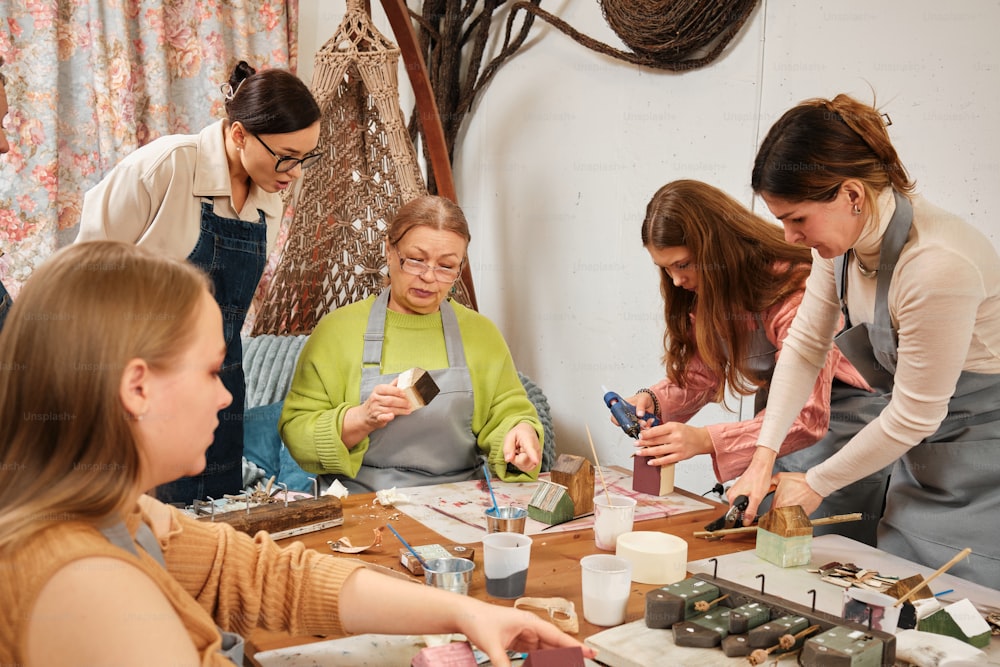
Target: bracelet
point(656, 401)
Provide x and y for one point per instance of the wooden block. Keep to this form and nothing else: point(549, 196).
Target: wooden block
point(653, 480)
point(735, 646)
point(455, 654)
point(842, 647)
point(768, 634)
point(784, 537)
point(576, 474)
point(419, 387)
point(704, 630)
point(299, 516)
point(570, 656)
point(674, 603)
point(747, 617)
point(428, 551)
point(550, 503)
point(960, 620)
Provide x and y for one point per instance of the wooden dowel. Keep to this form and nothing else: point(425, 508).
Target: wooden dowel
point(941, 570)
point(836, 518)
point(598, 464)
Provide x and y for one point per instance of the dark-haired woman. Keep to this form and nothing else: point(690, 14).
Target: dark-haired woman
point(731, 286)
point(920, 288)
point(213, 198)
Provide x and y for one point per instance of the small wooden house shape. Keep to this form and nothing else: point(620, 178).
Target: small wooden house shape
point(550, 503)
point(843, 647)
point(576, 474)
point(784, 537)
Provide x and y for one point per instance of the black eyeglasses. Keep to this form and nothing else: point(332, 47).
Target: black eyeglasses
point(286, 163)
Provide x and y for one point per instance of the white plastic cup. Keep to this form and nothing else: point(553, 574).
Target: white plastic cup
point(505, 564)
point(613, 515)
point(451, 574)
point(607, 582)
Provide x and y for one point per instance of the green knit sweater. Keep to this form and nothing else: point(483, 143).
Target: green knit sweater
point(327, 383)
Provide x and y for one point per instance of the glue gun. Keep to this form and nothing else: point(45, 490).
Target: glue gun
point(624, 414)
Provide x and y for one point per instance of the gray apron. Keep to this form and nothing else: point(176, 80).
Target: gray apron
point(432, 445)
point(850, 409)
point(944, 493)
point(118, 535)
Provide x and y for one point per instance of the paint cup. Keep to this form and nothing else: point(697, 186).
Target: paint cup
point(607, 583)
point(505, 519)
point(613, 515)
point(451, 574)
point(505, 564)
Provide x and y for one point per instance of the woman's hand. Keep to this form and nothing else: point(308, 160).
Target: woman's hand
point(521, 447)
point(794, 490)
point(385, 403)
point(504, 628)
point(672, 442)
point(755, 482)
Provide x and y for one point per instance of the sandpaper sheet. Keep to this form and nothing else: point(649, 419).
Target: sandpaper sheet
point(455, 510)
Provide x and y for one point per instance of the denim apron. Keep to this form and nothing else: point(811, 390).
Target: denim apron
point(943, 493)
point(232, 644)
point(432, 445)
point(850, 409)
point(232, 252)
point(5, 304)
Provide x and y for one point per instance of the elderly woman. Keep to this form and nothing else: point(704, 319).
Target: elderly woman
point(346, 418)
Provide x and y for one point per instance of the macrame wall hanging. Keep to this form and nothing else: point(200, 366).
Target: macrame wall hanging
point(334, 254)
point(674, 35)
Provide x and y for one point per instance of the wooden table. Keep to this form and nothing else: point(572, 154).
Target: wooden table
point(554, 569)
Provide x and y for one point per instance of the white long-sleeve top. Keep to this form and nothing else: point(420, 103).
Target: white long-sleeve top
point(944, 303)
point(153, 196)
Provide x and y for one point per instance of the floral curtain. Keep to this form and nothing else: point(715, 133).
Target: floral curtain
point(89, 81)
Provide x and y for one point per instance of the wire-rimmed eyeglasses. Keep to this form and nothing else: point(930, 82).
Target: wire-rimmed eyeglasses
point(416, 267)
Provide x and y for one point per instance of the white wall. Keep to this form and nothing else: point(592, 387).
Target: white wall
point(565, 147)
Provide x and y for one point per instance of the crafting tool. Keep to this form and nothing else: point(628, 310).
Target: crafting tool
point(823, 521)
point(407, 545)
point(624, 414)
point(733, 518)
point(489, 484)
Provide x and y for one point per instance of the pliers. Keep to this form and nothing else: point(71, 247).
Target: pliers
point(733, 518)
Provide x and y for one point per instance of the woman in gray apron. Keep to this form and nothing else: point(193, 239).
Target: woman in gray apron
point(731, 286)
point(921, 292)
point(213, 198)
point(99, 572)
point(346, 418)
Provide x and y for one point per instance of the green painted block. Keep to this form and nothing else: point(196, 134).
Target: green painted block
point(551, 504)
point(960, 620)
point(784, 551)
point(843, 647)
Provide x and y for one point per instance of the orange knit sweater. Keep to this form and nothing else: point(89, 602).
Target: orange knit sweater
point(214, 575)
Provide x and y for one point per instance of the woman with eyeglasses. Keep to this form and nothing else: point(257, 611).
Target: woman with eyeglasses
point(214, 199)
point(345, 417)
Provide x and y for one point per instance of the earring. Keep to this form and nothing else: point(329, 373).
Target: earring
point(856, 210)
